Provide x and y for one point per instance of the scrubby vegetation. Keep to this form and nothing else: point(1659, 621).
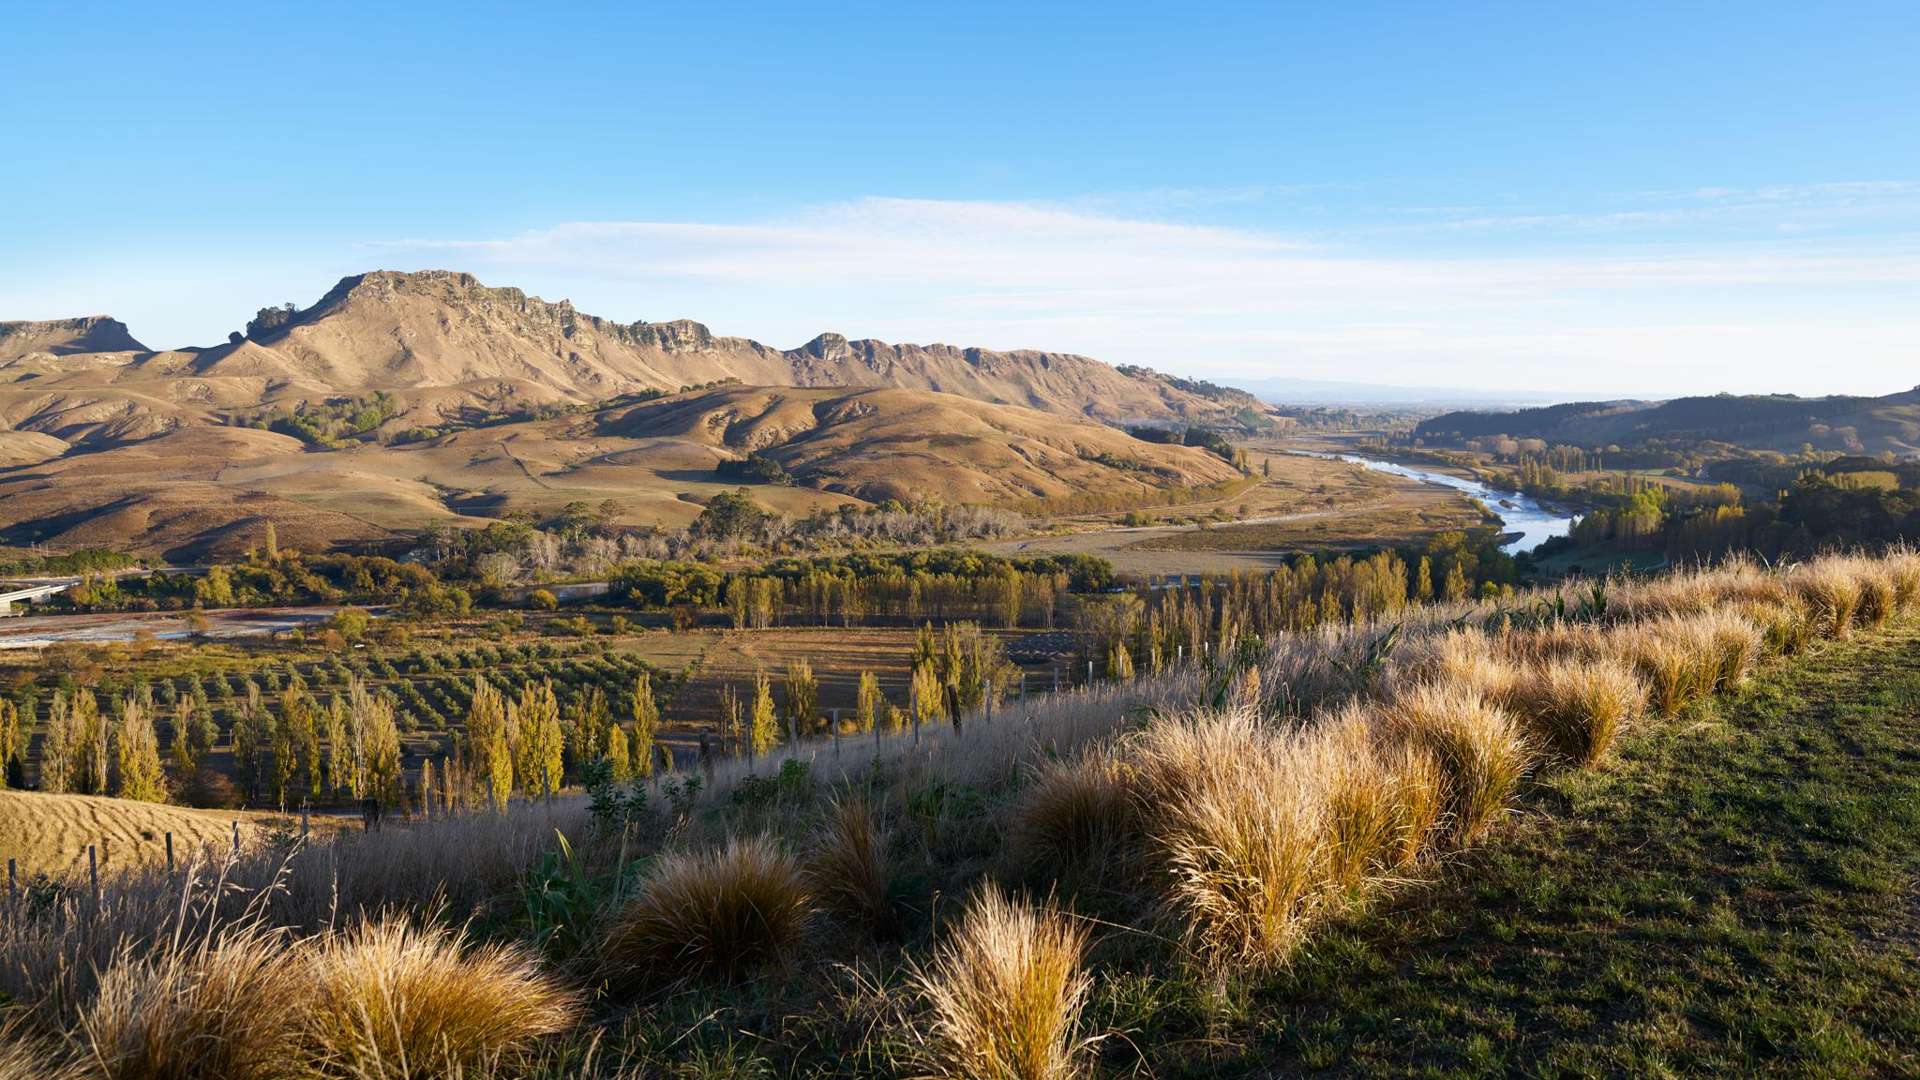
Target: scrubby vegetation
point(1196, 830)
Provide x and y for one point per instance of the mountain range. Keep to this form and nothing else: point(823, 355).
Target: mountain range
point(460, 401)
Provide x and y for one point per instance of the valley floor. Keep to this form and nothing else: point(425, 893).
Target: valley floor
point(1734, 896)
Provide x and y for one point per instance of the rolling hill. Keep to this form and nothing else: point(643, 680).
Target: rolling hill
point(1782, 422)
point(202, 489)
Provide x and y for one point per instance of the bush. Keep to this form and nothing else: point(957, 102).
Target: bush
point(209, 789)
point(1004, 993)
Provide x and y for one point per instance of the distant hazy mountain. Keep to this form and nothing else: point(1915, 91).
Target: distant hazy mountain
point(1285, 391)
point(1761, 421)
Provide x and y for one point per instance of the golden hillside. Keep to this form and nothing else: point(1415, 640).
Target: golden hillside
point(201, 489)
point(50, 833)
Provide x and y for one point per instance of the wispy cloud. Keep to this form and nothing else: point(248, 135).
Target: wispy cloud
point(1221, 301)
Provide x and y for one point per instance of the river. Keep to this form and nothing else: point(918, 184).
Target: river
point(1518, 513)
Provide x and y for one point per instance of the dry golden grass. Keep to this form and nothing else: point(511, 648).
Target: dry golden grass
point(1479, 748)
point(1467, 659)
point(1576, 708)
point(1238, 820)
point(1830, 593)
point(847, 865)
point(1003, 995)
point(721, 912)
point(1076, 816)
point(1676, 656)
point(50, 833)
point(227, 1005)
point(1382, 800)
point(396, 1001)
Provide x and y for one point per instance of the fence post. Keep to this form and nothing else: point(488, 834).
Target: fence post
point(304, 812)
point(836, 731)
point(169, 854)
point(1056, 678)
point(1089, 674)
point(93, 875)
point(989, 701)
point(236, 836)
point(13, 870)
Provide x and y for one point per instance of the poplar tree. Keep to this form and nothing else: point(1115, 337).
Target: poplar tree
point(249, 738)
point(619, 760)
point(139, 753)
point(803, 696)
point(487, 736)
point(764, 727)
point(646, 723)
point(867, 703)
point(10, 739)
point(60, 752)
point(928, 695)
point(381, 749)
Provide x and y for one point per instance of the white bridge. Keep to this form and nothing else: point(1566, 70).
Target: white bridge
point(31, 593)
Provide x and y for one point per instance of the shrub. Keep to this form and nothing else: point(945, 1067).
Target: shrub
point(1478, 747)
point(395, 1000)
point(718, 913)
point(1003, 995)
point(1575, 708)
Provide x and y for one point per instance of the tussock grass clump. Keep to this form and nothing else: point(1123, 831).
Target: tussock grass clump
point(1576, 708)
point(1879, 595)
point(1903, 569)
point(1383, 800)
point(1004, 993)
point(1830, 594)
point(1467, 659)
point(23, 1057)
point(847, 865)
point(227, 1004)
point(1077, 816)
point(1676, 655)
point(719, 912)
point(1784, 627)
point(1737, 646)
point(396, 1001)
point(1479, 748)
point(1241, 841)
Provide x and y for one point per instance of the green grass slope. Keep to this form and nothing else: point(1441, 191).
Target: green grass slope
point(1734, 896)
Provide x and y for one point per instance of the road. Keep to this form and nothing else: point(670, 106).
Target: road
point(37, 631)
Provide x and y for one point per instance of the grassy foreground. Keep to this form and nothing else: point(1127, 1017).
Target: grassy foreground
point(1733, 895)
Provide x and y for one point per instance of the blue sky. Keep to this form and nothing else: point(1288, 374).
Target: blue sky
point(1585, 199)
